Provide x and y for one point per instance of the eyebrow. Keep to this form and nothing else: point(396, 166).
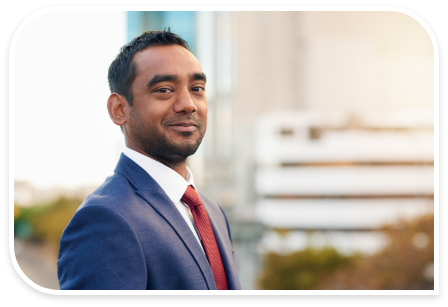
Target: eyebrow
point(162, 78)
point(199, 76)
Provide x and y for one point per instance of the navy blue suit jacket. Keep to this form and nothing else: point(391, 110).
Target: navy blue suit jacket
point(129, 235)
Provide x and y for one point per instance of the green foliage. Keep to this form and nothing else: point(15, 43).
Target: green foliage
point(44, 222)
point(406, 263)
point(301, 270)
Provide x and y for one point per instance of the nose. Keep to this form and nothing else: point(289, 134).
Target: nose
point(184, 102)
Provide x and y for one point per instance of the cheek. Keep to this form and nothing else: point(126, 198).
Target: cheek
point(152, 114)
point(142, 119)
point(202, 110)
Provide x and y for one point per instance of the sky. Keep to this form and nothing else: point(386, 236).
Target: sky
point(63, 135)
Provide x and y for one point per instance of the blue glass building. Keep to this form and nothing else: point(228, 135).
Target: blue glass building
point(180, 22)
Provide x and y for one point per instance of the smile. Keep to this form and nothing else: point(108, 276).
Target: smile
point(184, 127)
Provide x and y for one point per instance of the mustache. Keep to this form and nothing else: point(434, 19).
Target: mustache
point(175, 120)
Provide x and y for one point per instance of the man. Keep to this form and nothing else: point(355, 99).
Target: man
point(146, 226)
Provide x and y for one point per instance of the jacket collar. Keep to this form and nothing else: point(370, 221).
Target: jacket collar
point(154, 195)
point(173, 184)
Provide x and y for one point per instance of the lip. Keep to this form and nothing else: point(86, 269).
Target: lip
point(184, 126)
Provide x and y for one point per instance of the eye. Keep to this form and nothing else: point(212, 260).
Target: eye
point(164, 90)
point(198, 89)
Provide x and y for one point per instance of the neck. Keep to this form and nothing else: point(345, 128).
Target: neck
point(179, 166)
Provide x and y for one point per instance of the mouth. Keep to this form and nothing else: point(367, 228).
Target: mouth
point(184, 126)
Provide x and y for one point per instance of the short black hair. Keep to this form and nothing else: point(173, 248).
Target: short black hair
point(122, 71)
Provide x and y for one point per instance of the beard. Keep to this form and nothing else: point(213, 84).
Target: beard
point(152, 139)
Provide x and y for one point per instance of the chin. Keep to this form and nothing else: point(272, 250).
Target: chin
point(172, 147)
point(187, 146)
point(176, 151)
point(186, 150)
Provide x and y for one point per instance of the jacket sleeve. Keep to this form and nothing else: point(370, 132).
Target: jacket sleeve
point(99, 250)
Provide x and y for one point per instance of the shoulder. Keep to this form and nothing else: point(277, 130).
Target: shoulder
point(102, 212)
point(102, 208)
point(116, 194)
point(114, 189)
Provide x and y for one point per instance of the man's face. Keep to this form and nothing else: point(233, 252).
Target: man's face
point(168, 117)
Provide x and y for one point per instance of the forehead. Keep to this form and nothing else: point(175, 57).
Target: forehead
point(172, 59)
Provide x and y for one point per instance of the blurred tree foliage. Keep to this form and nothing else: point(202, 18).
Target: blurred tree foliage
point(301, 270)
point(44, 222)
point(405, 263)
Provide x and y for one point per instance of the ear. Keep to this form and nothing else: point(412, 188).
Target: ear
point(118, 108)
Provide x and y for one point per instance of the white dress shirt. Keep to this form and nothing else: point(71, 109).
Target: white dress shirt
point(170, 181)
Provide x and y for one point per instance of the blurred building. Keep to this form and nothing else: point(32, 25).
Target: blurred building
point(330, 179)
point(320, 123)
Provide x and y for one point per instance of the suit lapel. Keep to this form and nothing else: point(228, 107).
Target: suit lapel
point(163, 205)
point(225, 250)
point(153, 194)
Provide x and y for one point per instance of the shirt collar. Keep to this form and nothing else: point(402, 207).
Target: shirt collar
point(169, 180)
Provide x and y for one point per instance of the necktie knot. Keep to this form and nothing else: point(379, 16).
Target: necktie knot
point(191, 197)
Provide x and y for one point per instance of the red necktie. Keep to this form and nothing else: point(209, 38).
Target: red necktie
point(191, 198)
